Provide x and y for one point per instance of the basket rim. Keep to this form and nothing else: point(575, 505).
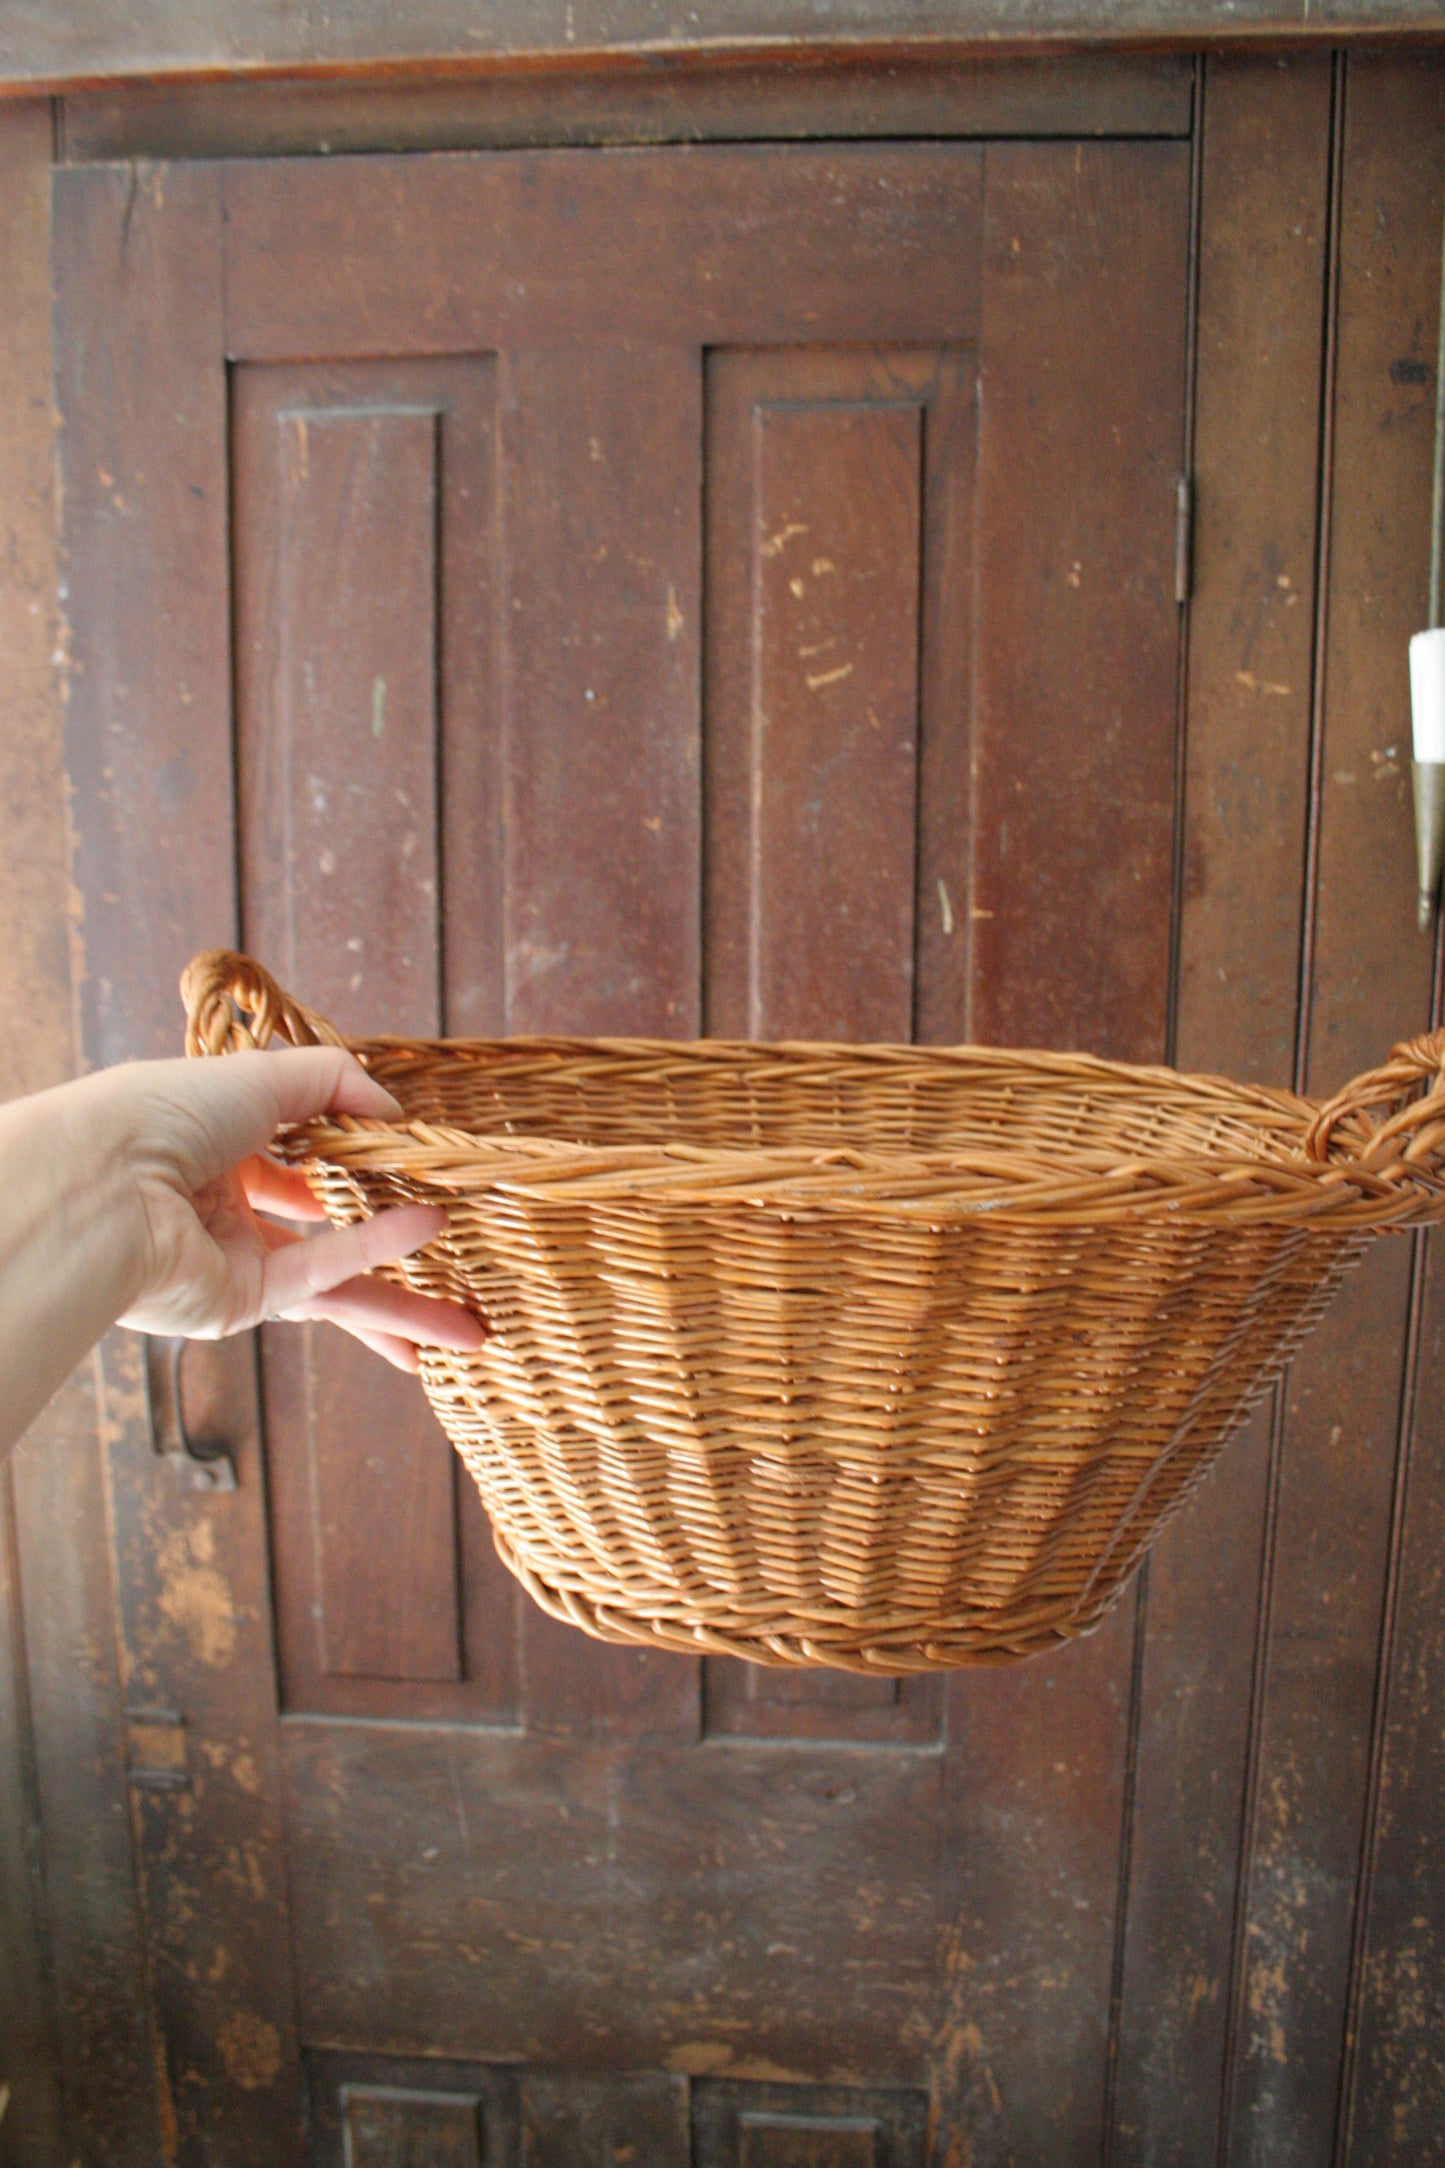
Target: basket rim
point(1371, 1157)
point(1012, 1185)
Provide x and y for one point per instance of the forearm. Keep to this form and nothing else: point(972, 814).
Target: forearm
point(72, 1243)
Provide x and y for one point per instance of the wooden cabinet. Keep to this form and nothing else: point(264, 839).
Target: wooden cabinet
point(738, 588)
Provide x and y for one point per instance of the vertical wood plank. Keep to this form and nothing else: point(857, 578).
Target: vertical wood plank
point(1371, 982)
point(1079, 453)
point(1082, 408)
point(1263, 219)
point(1393, 2097)
point(601, 601)
point(365, 527)
point(338, 592)
point(142, 394)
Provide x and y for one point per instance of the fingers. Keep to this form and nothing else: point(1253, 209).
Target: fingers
point(365, 1305)
point(278, 1190)
point(311, 1080)
point(299, 1270)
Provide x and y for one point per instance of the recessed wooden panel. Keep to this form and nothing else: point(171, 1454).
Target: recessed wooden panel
point(575, 2120)
point(1081, 445)
point(807, 2141)
point(833, 533)
point(753, 1701)
point(742, 2125)
point(839, 612)
point(388, 2127)
point(364, 506)
point(390, 2111)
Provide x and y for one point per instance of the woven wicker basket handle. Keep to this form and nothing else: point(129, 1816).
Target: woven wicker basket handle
point(232, 1005)
point(1414, 1129)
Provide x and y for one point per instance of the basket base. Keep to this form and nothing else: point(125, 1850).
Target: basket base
point(965, 1646)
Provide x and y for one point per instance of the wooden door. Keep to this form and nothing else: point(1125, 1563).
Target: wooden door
point(727, 590)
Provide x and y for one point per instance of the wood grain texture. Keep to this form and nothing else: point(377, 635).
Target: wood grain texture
point(1080, 447)
point(1393, 2098)
point(364, 526)
point(1075, 734)
point(141, 388)
point(722, 1909)
point(850, 968)
point(1265, 182)
point(1371, 980)
point(49, 45)
point(741, 2125)
point(637, 101)
point(570, 2120)
point(452, 248)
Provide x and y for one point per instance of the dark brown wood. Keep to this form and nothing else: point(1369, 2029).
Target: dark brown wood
point(364, 531)
point(836, 252)
point(1371, 980)
point(393, 2113)
point(48, 45)
point(747, 1701)
point(1263, 216)
point(1393, 2095)
point(601, 480)
point(570, 2121)
point(1080, 449)
point(1074, 741)
point(637, 101)
point(628, 1905)
point(792, 2126)
point(744, 1885)
point(142, 389)
point(388, 2128)
point(838, 640)
point(1396, 2101)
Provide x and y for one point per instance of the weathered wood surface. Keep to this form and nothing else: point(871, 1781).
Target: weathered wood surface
point(70, 1958)
point(1263, 217)
point(694, 100)
point(142, 392)
point(48, 44)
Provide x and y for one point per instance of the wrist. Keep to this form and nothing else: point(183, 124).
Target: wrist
point(73, 1238)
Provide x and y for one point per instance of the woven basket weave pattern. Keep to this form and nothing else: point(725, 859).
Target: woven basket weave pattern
point(882, 1358)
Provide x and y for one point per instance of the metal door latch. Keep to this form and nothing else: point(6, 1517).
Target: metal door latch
point(208, 1459)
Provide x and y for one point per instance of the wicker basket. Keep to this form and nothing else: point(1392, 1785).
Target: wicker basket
point(885, 1358)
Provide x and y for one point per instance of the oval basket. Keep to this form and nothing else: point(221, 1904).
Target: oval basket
point(887, 1358)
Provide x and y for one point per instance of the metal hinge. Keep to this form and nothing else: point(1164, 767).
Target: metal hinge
point(1183, 537)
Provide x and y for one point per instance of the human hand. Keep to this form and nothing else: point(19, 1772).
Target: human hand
point(192, 1135)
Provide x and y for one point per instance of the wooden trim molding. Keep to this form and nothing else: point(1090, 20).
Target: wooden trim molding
point(56, 45)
